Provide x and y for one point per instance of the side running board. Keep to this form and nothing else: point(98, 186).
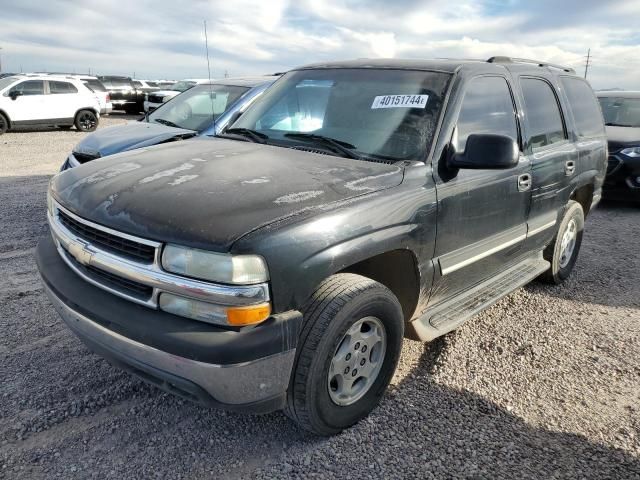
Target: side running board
point(452, 313)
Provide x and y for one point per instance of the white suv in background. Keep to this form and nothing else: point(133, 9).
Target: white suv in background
point(154, 99)
point(47, 100)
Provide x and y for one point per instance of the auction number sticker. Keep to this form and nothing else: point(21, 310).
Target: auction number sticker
point(400, 101)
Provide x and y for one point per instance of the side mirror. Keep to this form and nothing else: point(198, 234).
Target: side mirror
point(487, 152)
point(15, 94)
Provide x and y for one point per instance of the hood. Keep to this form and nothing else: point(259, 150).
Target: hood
point(622, 137)
point(119, 138)
point(207, 193)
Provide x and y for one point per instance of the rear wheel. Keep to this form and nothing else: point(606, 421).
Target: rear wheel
point(4, 124)
point(562, 253)
point(86, 121)
point(349, 348)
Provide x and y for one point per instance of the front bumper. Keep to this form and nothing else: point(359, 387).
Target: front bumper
point(246, 369)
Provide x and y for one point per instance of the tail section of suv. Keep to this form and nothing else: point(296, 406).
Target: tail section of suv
point(353, 204)
point(47, 100)
point(123, 93)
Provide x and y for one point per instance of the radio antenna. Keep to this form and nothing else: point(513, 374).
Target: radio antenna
point(206, 46)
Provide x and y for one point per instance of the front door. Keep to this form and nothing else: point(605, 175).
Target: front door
point(482, 214)
point(29, 105)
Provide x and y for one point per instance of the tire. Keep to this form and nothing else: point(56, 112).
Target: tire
point(86, 121)
point(4, 124)
point(562, 262)
point(342, 302)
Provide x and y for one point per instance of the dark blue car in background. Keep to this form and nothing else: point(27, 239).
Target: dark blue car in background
point(205, 109)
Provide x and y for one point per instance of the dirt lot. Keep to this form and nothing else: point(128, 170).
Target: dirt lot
point(546, 384)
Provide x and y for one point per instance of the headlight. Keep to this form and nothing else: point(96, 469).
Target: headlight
point(217, 267)
point(632, 152)
point(211, 313)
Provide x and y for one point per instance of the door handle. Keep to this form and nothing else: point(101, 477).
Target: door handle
point(569, 167)
point(524, 182)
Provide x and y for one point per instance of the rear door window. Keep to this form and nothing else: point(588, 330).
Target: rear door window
point(29, 87)
point(542, 113)
point(61, 87)
point(586, 112)
point(487, 108)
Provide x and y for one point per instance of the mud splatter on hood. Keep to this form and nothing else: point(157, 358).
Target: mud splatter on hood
point(210, 192)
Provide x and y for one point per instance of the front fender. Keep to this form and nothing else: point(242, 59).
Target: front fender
point(301, 255)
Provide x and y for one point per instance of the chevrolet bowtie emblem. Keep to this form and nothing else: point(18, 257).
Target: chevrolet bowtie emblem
point(81, 252)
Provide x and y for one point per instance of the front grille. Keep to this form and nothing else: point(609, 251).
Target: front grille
point(112, 243)
point(85, 157)
point(155, 98)
point(128, 287)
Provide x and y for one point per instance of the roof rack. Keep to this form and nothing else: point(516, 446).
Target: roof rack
point(499, 59)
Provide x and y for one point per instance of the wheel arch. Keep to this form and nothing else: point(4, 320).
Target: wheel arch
point(583, 194)
point(384, 256)
point(93, 109)
point(6, 115)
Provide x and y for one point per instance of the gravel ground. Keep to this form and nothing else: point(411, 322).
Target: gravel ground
point(546, 384)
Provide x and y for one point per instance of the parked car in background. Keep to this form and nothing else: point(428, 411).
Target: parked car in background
point(280, 265)
point(187, 115)
point(154, 99)
point(146, 85)
point(6, 74)
point(47, 100)
point(123, 93)
point(621, 112)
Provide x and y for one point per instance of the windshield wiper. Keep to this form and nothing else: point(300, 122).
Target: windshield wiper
point(253, 135)
point(338, 146)
point(166, 122)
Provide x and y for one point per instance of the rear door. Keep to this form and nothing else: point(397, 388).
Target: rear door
point(63, 99)
point(553, 157)
point(29, 105)
point(481, 213)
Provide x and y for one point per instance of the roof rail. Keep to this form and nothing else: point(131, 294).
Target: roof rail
point(499, 59)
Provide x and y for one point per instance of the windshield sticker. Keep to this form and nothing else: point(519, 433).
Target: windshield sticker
point(400, 101)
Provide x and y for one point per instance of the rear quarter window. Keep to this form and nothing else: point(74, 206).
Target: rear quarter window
point(95, 85)
point(586, 111)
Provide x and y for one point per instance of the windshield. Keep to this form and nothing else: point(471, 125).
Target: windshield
point(195, 108)
point(182, 86)
point(621, 112)
point(5, 82)
point(390, 114)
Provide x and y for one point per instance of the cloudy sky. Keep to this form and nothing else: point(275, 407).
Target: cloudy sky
point(165, 39)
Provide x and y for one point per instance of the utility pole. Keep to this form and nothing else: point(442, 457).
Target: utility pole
point(0, 60)
point(586, 66)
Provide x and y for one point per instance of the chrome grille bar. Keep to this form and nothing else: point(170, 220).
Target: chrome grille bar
point(150, 275)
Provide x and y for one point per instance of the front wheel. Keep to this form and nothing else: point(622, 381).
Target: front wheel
point(348, 351)
point(562, 253)
point(4, 124)
point(86, 121)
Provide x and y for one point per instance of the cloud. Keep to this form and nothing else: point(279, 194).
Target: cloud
point(160, 38)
